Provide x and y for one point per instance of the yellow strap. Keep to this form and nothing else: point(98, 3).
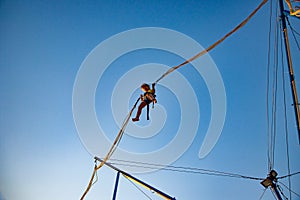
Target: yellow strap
point(111, 150)
point(90, 183)
point(213, 45)
point(150, 91)
point(292, 11)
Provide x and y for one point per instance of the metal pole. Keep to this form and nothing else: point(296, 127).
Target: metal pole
point(290, 66)
point(271, 181)
point(275, 190)
point(116, 186)
point(145, 185)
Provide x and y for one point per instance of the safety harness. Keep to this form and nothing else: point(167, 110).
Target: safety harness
point(150, 95)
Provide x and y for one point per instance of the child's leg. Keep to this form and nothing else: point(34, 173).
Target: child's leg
point(139, 112)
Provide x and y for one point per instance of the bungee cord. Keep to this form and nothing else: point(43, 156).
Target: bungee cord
point(127, 119)
point(112, 149)
point(214, 44)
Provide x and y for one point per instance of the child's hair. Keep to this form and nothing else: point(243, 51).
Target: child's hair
point(145, 86)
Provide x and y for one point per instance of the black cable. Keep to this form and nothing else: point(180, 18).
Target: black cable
point(289, 189)
point(274, 194)
point(281, 192)
point(95, 181)
point(285, 118)
point(268, 84)
point(274, 95)
point(289, 175)
point(262, 195)
point(192, 170)
point(293, 33)
point(294, 30)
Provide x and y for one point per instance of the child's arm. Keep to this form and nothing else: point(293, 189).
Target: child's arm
point(153, 87)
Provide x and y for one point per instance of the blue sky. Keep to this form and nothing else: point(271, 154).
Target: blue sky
point(43, 44)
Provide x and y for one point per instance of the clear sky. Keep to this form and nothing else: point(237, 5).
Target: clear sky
point(44, 43)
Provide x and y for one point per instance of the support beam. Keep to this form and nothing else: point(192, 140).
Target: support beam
point(145, 185)
point(275, 191)
point(271, 181)
point(116, 186)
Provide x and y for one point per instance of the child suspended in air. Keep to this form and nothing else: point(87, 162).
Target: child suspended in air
point(147, 98)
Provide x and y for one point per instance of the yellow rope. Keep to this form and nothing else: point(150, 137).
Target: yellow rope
point(292, 11)
point(213, 45)
point(90, 183)
point(111, 150)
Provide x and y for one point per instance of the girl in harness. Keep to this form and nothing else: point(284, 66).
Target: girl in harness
point(147, 98)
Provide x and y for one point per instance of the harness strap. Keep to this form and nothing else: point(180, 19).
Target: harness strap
point(148, 111)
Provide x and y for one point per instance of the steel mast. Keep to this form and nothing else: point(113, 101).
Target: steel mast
point(290, 67)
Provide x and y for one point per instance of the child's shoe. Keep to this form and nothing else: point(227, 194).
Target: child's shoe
point(135, 119)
